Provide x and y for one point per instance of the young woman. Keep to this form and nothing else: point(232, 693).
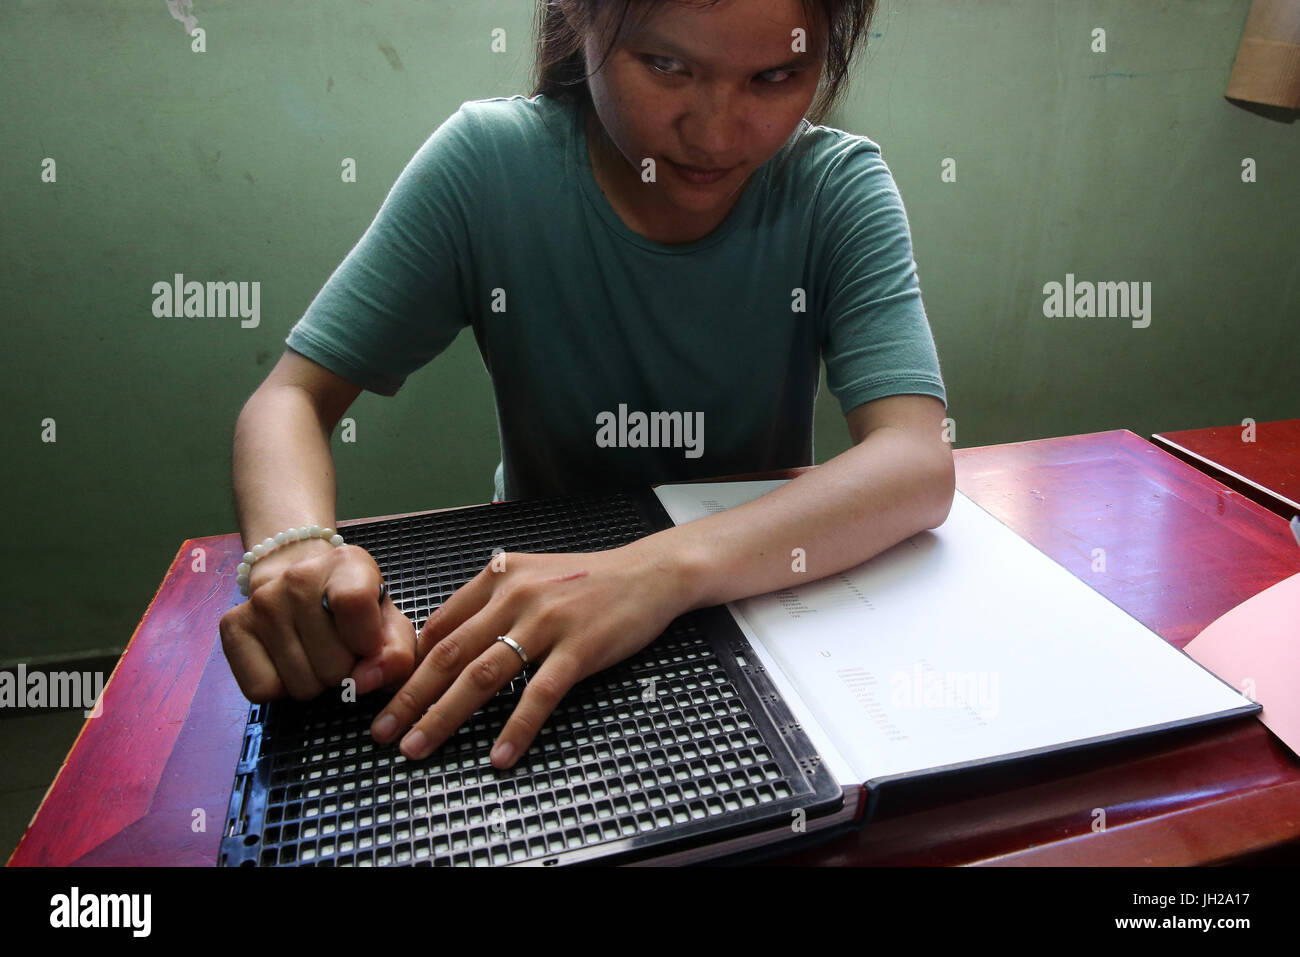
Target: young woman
point(657, 229)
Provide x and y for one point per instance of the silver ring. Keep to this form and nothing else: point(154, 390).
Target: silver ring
point(519, 651)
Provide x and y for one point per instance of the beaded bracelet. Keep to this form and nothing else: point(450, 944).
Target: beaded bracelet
point(269, 545)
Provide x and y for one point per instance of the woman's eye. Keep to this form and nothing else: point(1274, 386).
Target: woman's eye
point(655, 64)
point(661, 65)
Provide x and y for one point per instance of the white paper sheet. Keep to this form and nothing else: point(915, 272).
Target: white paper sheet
point(959, 645)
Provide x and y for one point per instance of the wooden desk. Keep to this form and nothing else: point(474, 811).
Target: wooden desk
point(1266, 470)
point(1181, 551)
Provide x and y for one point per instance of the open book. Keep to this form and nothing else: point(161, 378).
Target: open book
point(959, 646)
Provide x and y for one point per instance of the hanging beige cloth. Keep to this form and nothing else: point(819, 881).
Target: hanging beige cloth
point(1267, 69)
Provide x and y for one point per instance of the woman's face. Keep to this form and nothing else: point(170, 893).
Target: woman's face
point(718, 88)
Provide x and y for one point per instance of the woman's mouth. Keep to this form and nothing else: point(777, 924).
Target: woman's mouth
point(697, 176)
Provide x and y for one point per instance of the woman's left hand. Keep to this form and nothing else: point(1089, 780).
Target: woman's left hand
point(577, 613)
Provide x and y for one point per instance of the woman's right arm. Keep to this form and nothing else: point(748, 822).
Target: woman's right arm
point(281, 641)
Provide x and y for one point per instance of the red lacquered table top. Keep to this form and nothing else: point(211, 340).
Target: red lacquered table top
point(148, 782)
point(1262, 462)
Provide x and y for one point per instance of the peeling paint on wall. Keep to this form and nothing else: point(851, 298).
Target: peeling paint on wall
point(183, 10)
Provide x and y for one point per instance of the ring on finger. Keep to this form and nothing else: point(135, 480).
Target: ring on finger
point(325, 598)
point(523, 655)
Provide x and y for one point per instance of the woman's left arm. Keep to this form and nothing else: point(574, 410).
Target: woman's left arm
point(579, 613)
point(897, 479)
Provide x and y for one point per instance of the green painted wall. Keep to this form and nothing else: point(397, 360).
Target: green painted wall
point(225, 165)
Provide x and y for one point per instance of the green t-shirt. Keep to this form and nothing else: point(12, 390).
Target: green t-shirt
point(615, 360)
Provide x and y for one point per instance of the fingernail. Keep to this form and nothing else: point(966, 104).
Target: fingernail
point(370, 679)
point(502, 753)
point(413, 744)
point(383, 727)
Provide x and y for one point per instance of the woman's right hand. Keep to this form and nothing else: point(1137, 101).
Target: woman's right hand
point(282, 641)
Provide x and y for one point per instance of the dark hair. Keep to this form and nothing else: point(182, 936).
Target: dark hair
point(560, 66)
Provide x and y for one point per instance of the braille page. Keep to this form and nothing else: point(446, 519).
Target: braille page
point(962, 645)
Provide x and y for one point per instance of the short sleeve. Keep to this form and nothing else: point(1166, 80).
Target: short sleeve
point(400, 296)
point(875, 337)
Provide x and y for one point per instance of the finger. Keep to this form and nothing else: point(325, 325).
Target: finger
point(395, 661)
point(464, 603)
point(275, 630)
point(553, 680)
point(383, 593)
point(351, 587)
point(424, 639)
point(485, 676)
point(436, 673)
point(331, 660)
point(252, 667)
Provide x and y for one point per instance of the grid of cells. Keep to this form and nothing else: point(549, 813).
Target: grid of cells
point(658, 743)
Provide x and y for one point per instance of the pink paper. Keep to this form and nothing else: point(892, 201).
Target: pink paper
point(1255, 647)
